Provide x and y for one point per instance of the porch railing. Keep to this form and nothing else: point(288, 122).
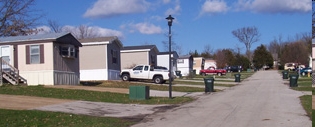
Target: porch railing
point(10, 73)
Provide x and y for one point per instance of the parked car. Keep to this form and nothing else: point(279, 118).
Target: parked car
point(305, 71)
point(234, 69)
point(290, 66)
point(161, 68)
point(211, 70)
point(144, 72)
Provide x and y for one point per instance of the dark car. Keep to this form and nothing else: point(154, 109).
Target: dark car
point(305, 71)
point(234, 69)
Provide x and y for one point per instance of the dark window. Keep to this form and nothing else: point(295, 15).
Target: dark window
point(68, 51)
point(114, 56)
point(146, 68)
point(138, 68)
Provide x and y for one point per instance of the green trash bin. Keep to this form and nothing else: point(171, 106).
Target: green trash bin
point(293, 80)
point(209, 84)
point(139, 92)
point(285, 74)
point(237, 77)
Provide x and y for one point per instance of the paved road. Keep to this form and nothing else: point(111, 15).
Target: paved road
point(260, 101)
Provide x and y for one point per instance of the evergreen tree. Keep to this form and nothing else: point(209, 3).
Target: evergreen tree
point(262, 57)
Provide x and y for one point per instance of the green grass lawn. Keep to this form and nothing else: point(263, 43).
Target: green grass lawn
point(304, 84)
point(121, 84)
point(229, 75)
point(306, 101)
point(33, 118)
point(200, 83)
point(85, 95)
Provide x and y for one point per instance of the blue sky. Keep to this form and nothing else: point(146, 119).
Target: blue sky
point(197, 22)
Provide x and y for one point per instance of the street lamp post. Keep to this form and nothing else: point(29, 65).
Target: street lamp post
point(170, 21)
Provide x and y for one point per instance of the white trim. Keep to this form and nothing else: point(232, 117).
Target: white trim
point(106, 56)
point(96, 43)
point(139, 50)
point(94, 74)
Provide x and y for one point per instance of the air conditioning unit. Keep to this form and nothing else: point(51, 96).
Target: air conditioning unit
point(68, 52)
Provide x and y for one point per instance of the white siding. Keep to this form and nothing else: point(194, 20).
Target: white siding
point(183, 67)
point(93, 74)
point(99, 74)
point(163, 60)
point(50, 77)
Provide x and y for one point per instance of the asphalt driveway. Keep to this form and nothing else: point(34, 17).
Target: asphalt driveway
point(259, 101)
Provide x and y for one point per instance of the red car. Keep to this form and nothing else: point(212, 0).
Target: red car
point(212, 70)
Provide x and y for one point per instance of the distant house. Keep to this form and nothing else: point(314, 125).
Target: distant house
point(185, 64)
point(210, 63)
point(198, 64)
point(133, 55)
point(43, 59)
point(100, 58)
point(163, 60)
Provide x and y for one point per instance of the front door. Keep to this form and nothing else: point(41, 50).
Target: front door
point(145, 73)
point(5, 54)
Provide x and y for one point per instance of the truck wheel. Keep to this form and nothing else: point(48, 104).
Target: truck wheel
point(125, 77)
point(219, 74)
point(203, 74)
point(158, 80)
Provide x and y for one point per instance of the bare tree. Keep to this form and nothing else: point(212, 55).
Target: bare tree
point(207, 52)
point(55, 26)
point(17, 17)
point(238, 49)
point(248, 36)
point(295, 52)
point(82, 31)
point(174, 46)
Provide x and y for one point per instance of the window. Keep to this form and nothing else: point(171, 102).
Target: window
point(146, 68)
point(180, 61)
point(68, 51)
point(138, 68)
point(34, 54)
point(152, 60)
point(114, 56)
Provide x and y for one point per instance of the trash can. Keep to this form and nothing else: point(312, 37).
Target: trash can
point(293, 80)
point(209, 84)
point(285, 74)
point(139, 92)
point(237, 77)
point(178, 73)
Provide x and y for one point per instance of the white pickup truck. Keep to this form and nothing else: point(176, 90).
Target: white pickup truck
point(144, 72)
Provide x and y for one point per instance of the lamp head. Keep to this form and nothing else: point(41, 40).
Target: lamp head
point(170, 20)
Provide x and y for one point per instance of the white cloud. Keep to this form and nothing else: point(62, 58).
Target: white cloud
point(43, 29)
point(107, 32)
point(213, 7)
point(275, 6)
point(96, 31)
point(144, 28)
point(173, 11)
point(109, 8)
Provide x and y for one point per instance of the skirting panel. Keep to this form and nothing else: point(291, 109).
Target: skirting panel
point(50, 78)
